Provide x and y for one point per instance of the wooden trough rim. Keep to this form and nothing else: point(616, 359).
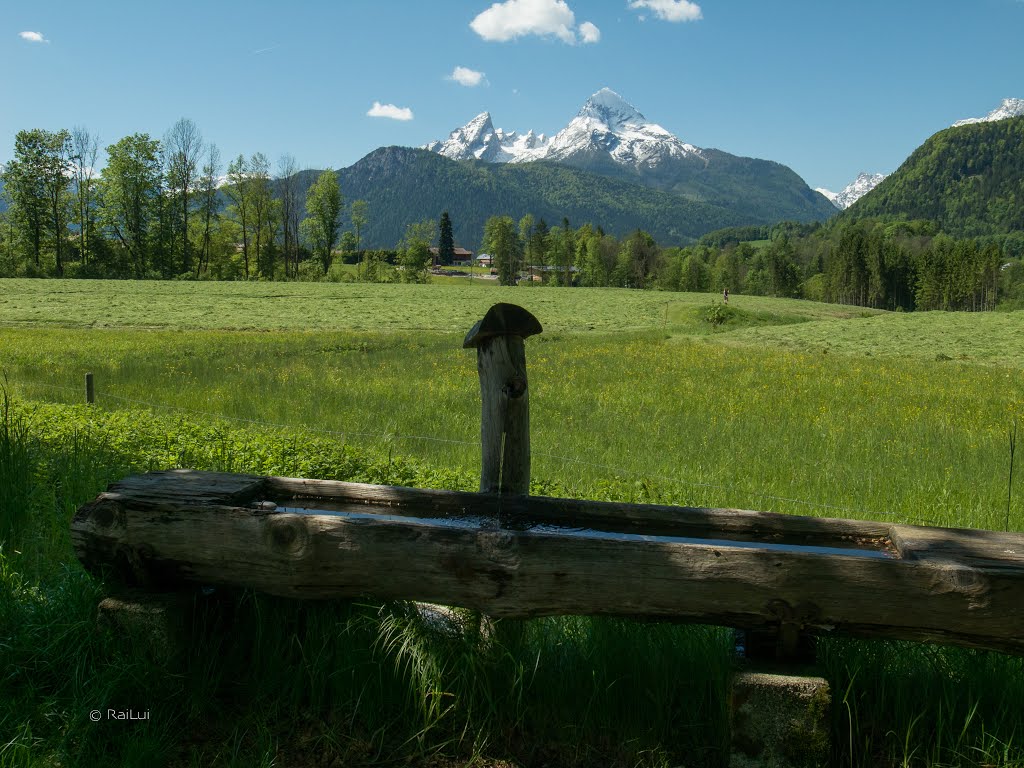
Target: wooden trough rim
point(976, 547)
point(171, 529)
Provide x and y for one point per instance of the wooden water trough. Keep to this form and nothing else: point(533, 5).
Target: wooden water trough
point(512, 555)
point(534, 556)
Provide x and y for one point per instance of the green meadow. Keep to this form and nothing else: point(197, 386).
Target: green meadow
point(317, 307)
point(779, 405)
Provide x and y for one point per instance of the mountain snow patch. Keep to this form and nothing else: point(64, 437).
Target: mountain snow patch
point(853, 191)
point(1009, 108)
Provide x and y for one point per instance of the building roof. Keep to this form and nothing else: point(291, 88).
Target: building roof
point(458, 252)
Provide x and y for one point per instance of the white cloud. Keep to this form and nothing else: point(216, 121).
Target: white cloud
point(390, 111)
point(466, 76)
point(589, 33)
point(670, 10)
point(518, 18)
point(33, 37)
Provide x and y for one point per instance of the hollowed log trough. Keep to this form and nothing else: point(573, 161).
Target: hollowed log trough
point(519, 556)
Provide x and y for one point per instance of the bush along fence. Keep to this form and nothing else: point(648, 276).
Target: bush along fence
point(783, 579)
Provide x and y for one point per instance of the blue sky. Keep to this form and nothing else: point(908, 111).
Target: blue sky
point(828, 87)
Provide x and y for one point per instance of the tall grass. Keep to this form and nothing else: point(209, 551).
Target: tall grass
point(265, 681)
point(655, 415)
point(898, 703)
point(686, 421)
point(16, 468)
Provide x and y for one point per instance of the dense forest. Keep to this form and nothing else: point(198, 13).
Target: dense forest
point(871, 263)
point(171, 209)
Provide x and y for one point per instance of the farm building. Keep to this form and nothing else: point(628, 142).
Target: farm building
point(463, 258)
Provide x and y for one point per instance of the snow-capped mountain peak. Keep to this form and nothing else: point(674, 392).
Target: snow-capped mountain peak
point(605, 124)
point(1009, 108)
point(479, 139)
point(608, 123)
point(853, 191)
point(607, 107)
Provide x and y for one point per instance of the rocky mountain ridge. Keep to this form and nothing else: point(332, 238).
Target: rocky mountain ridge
point(606, 123)
point(854, 191)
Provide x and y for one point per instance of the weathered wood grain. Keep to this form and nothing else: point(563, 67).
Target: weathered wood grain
point(614, 516)
point(505, 411)
point(171, 529)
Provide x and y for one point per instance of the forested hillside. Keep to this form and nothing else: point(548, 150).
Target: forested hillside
point(968, 180)
point(758, 191)
point(403, 185)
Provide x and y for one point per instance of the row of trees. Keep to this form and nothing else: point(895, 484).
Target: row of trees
point(871, 263)
point(877, 263)
point(165, 209)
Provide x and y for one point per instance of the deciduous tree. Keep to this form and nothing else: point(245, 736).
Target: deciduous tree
point(84, 149)
point(209, 205)
point(359, 213)
point(501, 240)
point(264, 213)
point(130, 190)
point(414, 256)
point(36, 182)
point(323, 222)
point(238, 192)
point(184, 147)
point(288, 195)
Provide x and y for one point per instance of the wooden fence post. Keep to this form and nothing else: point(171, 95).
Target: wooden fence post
point(90, 389)
point(505, 417)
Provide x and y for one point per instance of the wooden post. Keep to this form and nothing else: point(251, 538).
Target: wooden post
point(505, 416)
point(90, 389)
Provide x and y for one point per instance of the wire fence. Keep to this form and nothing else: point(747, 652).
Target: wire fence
point(620, 472)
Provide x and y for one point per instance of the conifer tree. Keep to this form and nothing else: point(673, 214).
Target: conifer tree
point(445, 241)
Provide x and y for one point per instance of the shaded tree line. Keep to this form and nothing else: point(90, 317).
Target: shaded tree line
point(869, 263)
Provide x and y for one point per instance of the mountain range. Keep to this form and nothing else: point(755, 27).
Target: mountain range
point(612, 138)
point(613, 167)
point(404, 185)
point(606, 124)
